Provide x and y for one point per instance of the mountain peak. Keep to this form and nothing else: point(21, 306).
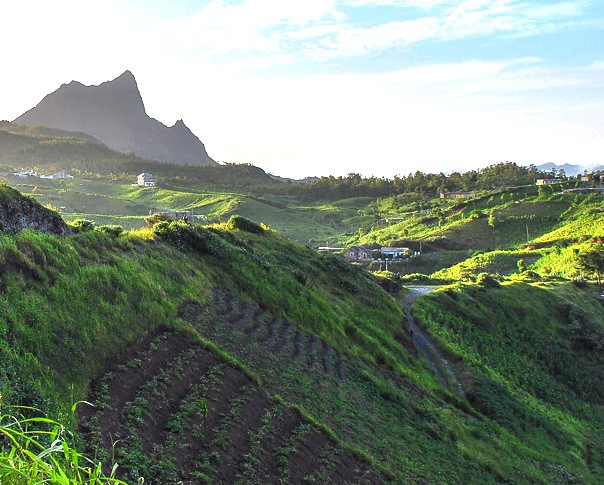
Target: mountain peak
point(124, 78)
point(113, 112)
point(126, 74)
point(180, 125)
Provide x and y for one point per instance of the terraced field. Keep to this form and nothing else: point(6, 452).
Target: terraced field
point(230, 320)
point(174, 412)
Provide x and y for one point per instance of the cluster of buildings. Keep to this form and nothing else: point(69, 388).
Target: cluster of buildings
point(28, 172)
point(144, 179)
point(363, 254)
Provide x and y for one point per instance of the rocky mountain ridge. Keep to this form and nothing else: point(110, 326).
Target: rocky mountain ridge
point(114, 113)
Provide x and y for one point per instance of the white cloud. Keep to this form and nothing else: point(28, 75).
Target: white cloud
point(208, 68)
point(430, 118)
point(262, 30)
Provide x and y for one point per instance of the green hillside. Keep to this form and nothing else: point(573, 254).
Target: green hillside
point(535, 358)
point(50, 150)
point(127, 205)
point(491, 232)
point(228, 352)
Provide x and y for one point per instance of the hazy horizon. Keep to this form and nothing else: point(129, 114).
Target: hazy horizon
point(328, 87)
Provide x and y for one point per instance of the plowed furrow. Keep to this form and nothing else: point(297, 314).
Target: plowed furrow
point(127, 375)
point(273, 464)
point(326, 358)
point(202, 429)
point(163, 403)
point(349, 470)
point(340, 366)
point(235, 448)
point(270, 331)
point(298, 341)
point(311, 346)
point(303, 461)
point(284, 337)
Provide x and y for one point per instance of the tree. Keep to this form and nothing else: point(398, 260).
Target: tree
point(592, 261)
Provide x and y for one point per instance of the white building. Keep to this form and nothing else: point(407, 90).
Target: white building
point(146, 180)
point(548, 181)
point(395, 253)
point(26, 172)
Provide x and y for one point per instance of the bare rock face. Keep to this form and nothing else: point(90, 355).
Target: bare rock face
point(113, 112)
point(18, 212)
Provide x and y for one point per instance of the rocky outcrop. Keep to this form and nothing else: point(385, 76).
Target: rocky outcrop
point(113, 113)
point(18, 212)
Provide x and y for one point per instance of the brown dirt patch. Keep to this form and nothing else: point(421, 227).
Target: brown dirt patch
point(180, 414)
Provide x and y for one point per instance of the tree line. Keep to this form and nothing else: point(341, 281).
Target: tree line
point(505, 174)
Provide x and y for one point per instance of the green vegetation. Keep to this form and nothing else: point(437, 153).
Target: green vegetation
point(314, 332)
point(40, 450)
point(227, 350)
point(535, 357)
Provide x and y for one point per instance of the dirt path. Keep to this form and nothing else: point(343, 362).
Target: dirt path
point(424, 344)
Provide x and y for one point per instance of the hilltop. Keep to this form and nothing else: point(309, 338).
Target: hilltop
point(113, 112)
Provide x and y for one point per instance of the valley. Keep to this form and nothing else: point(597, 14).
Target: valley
point(226, 348)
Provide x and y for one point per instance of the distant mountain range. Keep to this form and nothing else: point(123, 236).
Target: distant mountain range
point(569, 170)
point(113, 112)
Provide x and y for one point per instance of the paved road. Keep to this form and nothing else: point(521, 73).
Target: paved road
point(424, 344)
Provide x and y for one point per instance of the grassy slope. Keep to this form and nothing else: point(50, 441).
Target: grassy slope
point(492, 232)
point(76, 302)
point(575, 223)
point(535, 354)
point(127, 205)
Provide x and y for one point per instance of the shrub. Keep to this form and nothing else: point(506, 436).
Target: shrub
point(243, 224)
point(186, 236)
point(580, 329)
point(111, 229)
point(487, 280)
point(82, 225)
point(389, 281)
point(476, 214)
point(521, 266)
point(157, 217)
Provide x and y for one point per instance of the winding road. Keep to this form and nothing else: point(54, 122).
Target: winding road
point(424, 344)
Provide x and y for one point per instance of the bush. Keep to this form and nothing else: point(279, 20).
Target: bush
point(186, 236)
point(580, 329)
point(157, 217)
point(389, 281)
point(111, 229)
point(82, 225)
point(521, 266)
point(487, 280)
point(243, 224)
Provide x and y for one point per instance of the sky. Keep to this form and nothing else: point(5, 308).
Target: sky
point(328, 87)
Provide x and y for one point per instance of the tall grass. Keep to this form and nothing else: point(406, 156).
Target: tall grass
point(35, 450)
